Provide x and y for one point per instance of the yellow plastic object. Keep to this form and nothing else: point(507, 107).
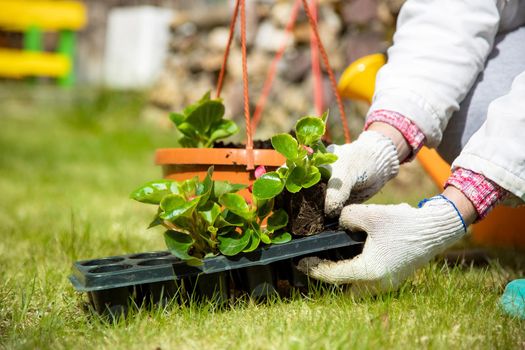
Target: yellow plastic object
point(504, 226)
point(19, 64)
point(359, 78)
point(47, 15)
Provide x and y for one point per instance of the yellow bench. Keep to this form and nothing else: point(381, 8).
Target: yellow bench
point(33, 17)
point(504, 226)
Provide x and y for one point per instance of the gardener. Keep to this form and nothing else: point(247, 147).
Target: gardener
point(457, 60)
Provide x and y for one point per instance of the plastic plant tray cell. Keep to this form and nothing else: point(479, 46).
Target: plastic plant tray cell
point(153, 277)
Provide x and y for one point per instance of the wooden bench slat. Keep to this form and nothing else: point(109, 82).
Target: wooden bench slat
point(19, 64)
point(47, 15)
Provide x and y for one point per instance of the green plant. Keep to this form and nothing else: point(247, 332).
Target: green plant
point(304, 156)
point(202, 123)
point(207, 218)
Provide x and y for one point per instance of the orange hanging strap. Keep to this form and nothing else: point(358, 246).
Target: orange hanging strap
point(249, 141)
point(220, 81)
point(318, 90)
point(316, 66)
point(261, 102)
point(326, 63)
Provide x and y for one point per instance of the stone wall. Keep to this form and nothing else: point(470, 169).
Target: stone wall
point(348, 29)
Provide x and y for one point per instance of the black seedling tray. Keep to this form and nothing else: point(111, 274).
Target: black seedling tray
point(154, 277)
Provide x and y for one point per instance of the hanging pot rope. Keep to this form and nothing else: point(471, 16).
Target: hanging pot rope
point(249, 141)
point(261, 102)
point(311, 13)
point(326, 63)
point(220, 81)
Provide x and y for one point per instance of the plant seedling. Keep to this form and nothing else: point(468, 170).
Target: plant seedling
point(207, 218)
point(203, 123)
point(304, 156)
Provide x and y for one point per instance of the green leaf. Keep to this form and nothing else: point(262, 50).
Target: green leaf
point(155, 222)
point(188, 142)
point(222, 129)
point(268, 186)
point(255, 240)
point(236, 204)
point(153, 192)
point(233, 243)
point(264, 207)
point(309, 130)
point(265, 238)
point(205, 188)
point(277, 220)
point(325, 173)
point(324, 116)
point(178, 244)
point(281, 237)
point(177, 118)
point(222, 187)
point(286, 145)
point(183, 223)
point(188, 130)
point(210, 212)
point(295, 180)
point(312, 177)
point(175, 205)
point(227, 219)
point(323, 158)
point(205, 115)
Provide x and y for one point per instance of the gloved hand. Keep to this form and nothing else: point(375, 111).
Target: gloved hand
point(400, 240)
point(362, 168)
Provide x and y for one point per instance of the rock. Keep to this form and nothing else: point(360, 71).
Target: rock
point(363, 44)
point(270, 39)
point(294, 65)
point(280, 14)
point(359, 12)
point(218, 38)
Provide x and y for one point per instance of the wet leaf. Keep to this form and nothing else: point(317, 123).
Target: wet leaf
point(153, 192)
point(178, 244)
point(323, 158)
point(268, 186)
point(309, 130)
point(286, 145)
point(175, 205)
point(277, 220)
point(255, 240)
point(236, 204)
point(233, 243)
point(281, 237)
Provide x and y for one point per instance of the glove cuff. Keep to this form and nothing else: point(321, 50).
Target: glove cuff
point(405, 126)
point(482, 193)
point(385, 153)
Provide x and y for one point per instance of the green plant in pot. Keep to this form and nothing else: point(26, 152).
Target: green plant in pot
point(203, 123)
point(297, 184)
point(207, 218)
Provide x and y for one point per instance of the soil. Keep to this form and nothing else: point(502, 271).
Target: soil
point(305, 209)
point(257, 144)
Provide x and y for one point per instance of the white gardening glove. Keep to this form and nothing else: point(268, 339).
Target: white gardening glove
point(361, 170)
point(400, 240)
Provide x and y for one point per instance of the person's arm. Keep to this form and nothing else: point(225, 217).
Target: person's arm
point(497, 149)
point(439, 48)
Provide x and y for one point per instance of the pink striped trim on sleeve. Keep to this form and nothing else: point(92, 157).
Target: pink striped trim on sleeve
point(482, 192)
point(406, 127)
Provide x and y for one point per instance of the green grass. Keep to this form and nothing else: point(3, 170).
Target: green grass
point(68, 161)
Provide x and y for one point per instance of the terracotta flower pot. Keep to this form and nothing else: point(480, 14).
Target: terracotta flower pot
point(229, 163)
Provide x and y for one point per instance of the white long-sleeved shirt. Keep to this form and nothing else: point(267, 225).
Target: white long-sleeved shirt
point(440, 47)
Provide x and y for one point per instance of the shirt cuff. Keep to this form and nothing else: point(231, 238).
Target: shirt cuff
point(482, 192)
point(405, 126)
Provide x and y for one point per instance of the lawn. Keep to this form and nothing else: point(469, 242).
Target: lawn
point(68, 161)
